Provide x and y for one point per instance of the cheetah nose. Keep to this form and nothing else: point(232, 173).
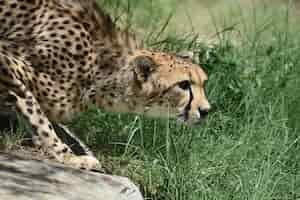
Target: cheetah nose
point(203, 112)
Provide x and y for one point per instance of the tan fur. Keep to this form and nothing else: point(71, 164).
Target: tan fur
point(59, 56)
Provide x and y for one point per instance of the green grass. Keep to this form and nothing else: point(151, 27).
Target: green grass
point(248, 148)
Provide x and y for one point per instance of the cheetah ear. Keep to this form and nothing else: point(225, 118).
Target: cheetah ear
point(144, 66)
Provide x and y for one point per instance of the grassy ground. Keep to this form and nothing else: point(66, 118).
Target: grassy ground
point(249, 148)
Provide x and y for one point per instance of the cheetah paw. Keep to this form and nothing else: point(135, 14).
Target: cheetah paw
point(82, 162)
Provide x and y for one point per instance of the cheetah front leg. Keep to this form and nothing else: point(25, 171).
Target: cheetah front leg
point(14, 74)
point(44, 132)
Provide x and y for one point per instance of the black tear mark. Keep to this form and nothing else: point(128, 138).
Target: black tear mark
point(187, 108)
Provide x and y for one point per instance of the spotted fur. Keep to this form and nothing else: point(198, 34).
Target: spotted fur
point(59, 56)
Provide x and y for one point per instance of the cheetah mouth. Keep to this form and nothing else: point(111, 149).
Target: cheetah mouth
point(183, 117)
point(186, 119)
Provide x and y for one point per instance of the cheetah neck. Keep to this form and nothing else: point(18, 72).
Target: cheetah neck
point(101, 27)
point(113, 46)
point(115, 85)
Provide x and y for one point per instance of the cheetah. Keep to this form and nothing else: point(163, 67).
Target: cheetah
point(57, 57)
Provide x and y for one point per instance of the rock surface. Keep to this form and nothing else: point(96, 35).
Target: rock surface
point(27, 179)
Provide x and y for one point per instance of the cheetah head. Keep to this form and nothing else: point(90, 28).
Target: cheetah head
point(169, 86)
point(164, 85)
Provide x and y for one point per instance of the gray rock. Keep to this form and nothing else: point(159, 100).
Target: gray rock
point(27, 179)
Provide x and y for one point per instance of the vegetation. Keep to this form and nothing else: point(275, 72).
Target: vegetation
point(249, 147)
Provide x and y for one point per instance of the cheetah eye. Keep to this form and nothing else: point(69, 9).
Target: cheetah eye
point(185, 85)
